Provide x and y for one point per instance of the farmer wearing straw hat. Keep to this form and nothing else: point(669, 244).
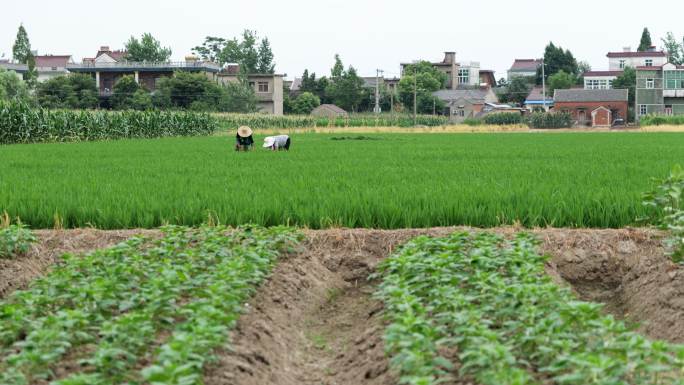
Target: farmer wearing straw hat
point(244, 140)
point(278, 142)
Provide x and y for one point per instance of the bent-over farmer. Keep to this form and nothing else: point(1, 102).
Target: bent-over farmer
point(244, 140)
point(278, 142)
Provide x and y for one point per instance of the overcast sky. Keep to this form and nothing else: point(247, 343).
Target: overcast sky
point(368, 34)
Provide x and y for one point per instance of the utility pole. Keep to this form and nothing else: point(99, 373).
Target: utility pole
point(392, 100)
point(378, 72)
point(543, 83)
point(415, 96)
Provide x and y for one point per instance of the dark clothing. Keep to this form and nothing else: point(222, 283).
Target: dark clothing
point(287, 145)
point(248, 141)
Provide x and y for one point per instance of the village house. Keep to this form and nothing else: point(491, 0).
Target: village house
point(465, 103)
point(659, 90)
point(535, 101)
point(617, 62)
point(524, 68)
point(108, 66)
point(459, 74)
point(47, 66)
point(329, 111)
point(267, 87)
point(595, 108)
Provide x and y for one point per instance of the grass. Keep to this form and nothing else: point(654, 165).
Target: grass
point(397, 181)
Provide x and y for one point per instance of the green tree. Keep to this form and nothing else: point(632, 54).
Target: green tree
point(674, 49)
point(31, 75)
point(181, 90)
point(13, 88)
point(314, 86)
point(72, 91)
point(211, 49)
point(265, 58)
point(425, 79)
point(561, 80)
point(345, 88)
point(518, 89)
point(557, 59)
point(646, 42)
point(124, 91)
point(21, 50)
point(305, 103)
point(627, 80)
point(238, 97)
point(147, 49)
point(141, 100)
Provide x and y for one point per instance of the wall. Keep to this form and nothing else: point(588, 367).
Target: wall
point(614, 63)
point(574, 108)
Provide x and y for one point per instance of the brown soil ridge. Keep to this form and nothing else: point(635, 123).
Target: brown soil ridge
point(315, 321)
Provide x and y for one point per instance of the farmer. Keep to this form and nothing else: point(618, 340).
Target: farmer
point(278, 142)
point(244, 140)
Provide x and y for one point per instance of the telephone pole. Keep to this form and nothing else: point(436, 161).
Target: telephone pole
point(378, 72)
point(543, 83)
point(415, 96)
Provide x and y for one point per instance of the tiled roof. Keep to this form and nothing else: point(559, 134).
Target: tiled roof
point(331, 107)
point(116, 55)
point(581, 95)
point(53, 60)
point(537, 95)
point(637, 54)
point(525, 65)
point(478, 95)
point(602, 73)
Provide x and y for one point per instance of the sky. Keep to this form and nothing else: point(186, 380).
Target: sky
point(368, 34)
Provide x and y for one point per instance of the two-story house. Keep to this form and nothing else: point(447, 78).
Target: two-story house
point(267, 87)
point(47, 66)
point(659, 90)
point(108, 66)
point(617, 62)
point(459, 74)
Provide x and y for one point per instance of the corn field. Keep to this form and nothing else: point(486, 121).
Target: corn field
point(260, 121)
point(20, 123)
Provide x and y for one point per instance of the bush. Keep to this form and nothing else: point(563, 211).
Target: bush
point(503, 118)
point(305, 103)
point(19, 123)
point(72, 91)
point(15, 240)
point(666, 205)
point(659, 120)
point(550, 120)
point(473, 122)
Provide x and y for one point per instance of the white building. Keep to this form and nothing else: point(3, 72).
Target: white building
point(600, 80)
point(618, 61)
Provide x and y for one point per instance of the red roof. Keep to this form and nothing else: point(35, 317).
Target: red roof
point(52, 60)
point(602, 73)
point(526, 64)
point(116, 55)
point(637, 54)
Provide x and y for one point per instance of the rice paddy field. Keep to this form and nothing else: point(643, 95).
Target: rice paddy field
point(330, 180)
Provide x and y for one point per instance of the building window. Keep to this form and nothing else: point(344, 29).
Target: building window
point(461, 113)
point(622, 64)
point(464, 76)
point(674, 80)
point(263, 86)
point(643, 109)
point(649, 62)
point(650, 83)
point(251, 85)
point(597, 84)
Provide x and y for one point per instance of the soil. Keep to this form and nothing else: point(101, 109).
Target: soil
point(17, 273)
point(315, 321)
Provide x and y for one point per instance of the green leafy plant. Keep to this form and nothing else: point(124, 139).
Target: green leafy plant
point(666, 204)
point(15, 240)
point(503, 118)
point(485, 303)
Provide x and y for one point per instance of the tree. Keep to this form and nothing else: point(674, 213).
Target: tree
point(13, 88)
point(21, 50)
point(265, 58)
point(182, 90)
point(424, 79)
point(238, 97)
point(345, 88)
point(314, 86)
point(305, 103)
point(627, 80)
point(147, 49)
point(517, 90)
point(124, 91)
point(674, 49)
point(72, 91)
point(561, 80)
point(211, 49)
point(646, 42)
point(557, 59)
point(31, 75)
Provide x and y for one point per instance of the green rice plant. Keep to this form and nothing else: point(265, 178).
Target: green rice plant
point(171, 299)
point(21, 123)
point(481, 308)
point(15, 240)
point(666, 205)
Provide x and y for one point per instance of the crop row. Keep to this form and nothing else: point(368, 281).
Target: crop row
point(262, 121)
point(21, 123)
point(480, 307)
point(145, 310)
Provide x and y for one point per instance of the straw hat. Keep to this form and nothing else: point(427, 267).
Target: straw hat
point(244, 131)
